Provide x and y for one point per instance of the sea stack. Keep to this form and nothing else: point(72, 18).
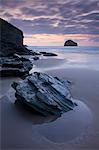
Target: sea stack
point(70, 43)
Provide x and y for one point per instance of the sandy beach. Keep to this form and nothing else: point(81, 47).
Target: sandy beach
point(77, 129)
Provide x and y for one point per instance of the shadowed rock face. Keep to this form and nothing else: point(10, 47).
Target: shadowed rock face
point(46, 94)
point(11, 40)
point(10, 33)
point(70, 43)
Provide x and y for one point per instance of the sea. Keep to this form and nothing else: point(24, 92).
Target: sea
point(62, 49)
point(76, 57)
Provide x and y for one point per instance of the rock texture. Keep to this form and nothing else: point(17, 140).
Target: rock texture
point(45, 94)
point(14, 66)
point(11, 40)
point(70, 43)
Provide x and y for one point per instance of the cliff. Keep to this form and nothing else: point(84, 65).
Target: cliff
point(11, 39)
point(10, 33)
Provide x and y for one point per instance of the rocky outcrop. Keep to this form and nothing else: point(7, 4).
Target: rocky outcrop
point(14, 66)
point(44, 93)
point(70, 43)
point(11, 40)
point(48, 54)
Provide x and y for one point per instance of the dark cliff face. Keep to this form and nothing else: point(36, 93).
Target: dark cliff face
point(70, 43)
point(11, 40)
point(10, 33)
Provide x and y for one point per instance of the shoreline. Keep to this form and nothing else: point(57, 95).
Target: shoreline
point(85, 85)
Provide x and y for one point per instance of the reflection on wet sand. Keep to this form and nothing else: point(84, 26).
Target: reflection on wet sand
point(19, 125)
point(16, 124)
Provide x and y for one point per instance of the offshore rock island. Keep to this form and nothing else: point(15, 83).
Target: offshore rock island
point(70, 43)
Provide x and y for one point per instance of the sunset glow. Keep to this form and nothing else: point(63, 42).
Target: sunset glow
point(58, 40)
point(50, 23)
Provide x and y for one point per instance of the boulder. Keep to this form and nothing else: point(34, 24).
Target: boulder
point(46, 94)
point(70, 43)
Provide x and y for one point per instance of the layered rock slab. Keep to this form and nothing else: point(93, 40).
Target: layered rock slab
point(14, 66)
point(46, 94)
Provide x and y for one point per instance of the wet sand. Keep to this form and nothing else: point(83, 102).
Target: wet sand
point(85, 88)
point(77, 129)
point(47, 63)
point(5, 84)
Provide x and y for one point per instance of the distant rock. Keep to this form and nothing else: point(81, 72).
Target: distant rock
point(46, 94)
point(48, 54)
point(14, 66)
point(70, 43)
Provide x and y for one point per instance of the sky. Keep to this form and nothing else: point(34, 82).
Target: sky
point(52, 22)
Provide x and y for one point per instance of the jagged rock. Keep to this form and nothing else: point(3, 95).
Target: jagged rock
point(14, 66)
point(70, 43)
point(45, 94)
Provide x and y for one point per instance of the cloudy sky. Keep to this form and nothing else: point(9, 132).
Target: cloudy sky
point(51, 22)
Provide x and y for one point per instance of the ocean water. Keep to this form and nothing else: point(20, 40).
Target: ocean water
point(86, 57)
point(78, 49)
